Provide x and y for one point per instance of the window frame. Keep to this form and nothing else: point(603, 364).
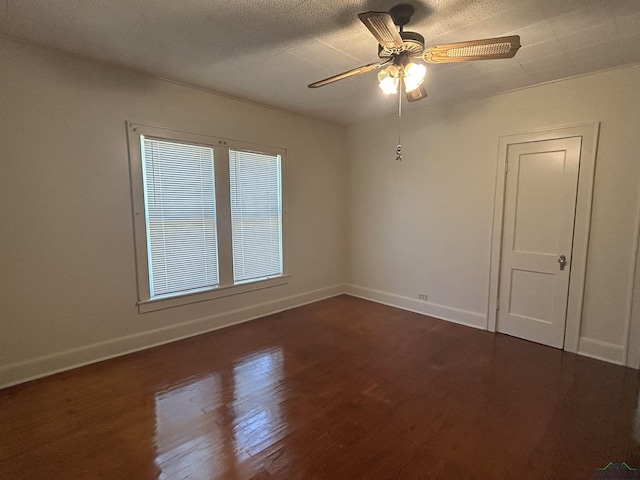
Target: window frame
point(221, 147)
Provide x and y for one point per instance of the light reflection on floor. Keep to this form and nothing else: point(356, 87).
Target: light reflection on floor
point(258, 421)
point(191, 420)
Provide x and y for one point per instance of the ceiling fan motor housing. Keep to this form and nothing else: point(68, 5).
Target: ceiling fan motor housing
point(412, 42)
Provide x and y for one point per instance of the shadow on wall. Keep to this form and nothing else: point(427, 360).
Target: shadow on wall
point(89, 75)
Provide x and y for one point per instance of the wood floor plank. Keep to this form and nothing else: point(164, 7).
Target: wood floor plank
point(339, 389)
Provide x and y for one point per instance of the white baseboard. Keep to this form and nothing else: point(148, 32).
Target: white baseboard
point(451, 314)
point(608, 352)
point(58, 362)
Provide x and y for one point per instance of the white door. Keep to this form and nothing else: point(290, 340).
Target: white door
point(539, 212)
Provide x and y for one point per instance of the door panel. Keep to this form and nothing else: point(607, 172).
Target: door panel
point(538, 192)
point(529, 294)
point(539, 213)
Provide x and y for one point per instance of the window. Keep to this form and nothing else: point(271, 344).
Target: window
point(256, 215)
point(208, 216)
point(179, 196)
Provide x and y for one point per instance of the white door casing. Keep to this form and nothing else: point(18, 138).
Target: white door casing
point(539, 210)
point(589, 135)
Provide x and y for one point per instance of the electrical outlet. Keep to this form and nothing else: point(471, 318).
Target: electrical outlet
point(422, 296)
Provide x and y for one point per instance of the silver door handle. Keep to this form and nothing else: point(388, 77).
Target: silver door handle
point(562, 261)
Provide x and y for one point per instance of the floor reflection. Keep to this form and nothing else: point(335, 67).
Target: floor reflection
point(212, 427)
point(257, 413)
point(188, 430)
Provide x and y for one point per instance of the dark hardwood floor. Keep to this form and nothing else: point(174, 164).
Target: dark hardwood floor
point(340, 389)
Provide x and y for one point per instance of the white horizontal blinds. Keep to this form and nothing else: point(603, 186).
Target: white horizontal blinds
point(181, 216)
point(256, 215)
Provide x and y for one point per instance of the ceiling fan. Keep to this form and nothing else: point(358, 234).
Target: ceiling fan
point(398, 50)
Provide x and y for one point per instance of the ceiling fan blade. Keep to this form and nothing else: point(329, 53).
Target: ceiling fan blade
point(381, 25)
point(417, 94)
point(350, 73)
point(485, 49)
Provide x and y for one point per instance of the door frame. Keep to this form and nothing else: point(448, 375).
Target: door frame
point(582, 222)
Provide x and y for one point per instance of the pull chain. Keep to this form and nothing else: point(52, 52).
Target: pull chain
point(399, 147)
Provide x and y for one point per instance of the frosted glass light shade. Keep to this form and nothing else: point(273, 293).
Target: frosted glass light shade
point(413, 76)
point(388, 79)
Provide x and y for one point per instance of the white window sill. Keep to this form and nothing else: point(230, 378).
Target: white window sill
point(202, 296)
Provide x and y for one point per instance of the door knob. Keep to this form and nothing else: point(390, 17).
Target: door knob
point(562, 261)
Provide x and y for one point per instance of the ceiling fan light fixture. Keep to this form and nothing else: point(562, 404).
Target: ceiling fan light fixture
point(389, 79)
point(414, 74)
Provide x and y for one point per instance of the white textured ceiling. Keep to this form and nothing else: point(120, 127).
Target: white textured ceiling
point(269, 50)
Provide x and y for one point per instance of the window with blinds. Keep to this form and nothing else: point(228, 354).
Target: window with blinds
point(208, 216)
point(180, 211)
point(256, 215)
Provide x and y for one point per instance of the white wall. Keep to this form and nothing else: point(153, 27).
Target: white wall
point(68, 281)
point(424, 225)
